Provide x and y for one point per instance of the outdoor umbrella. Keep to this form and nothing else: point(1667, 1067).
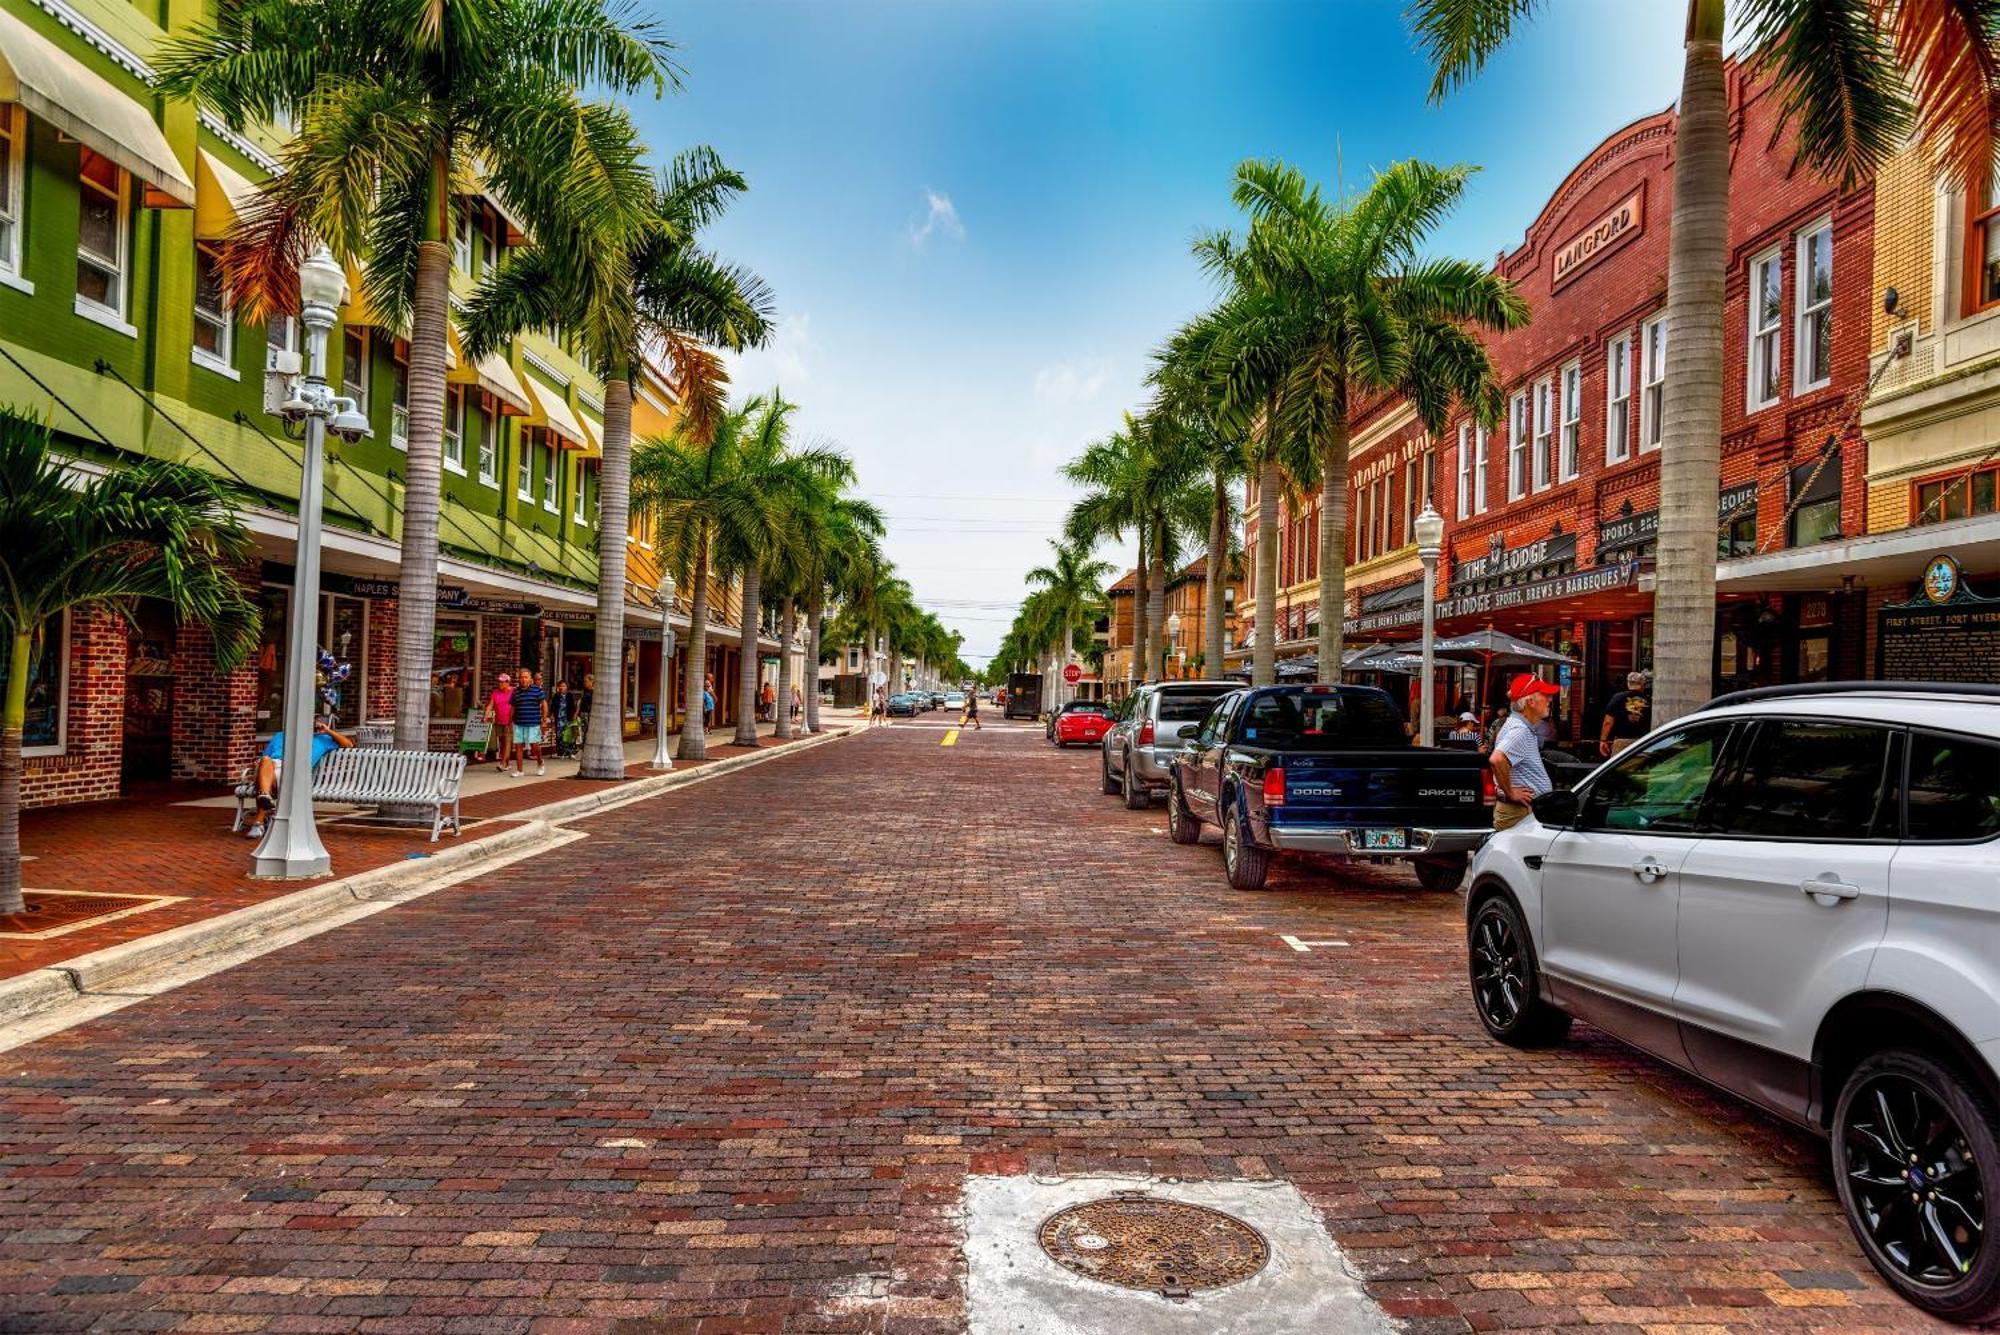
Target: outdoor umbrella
point(1490, 647)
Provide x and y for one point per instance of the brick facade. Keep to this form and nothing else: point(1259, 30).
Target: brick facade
point(94, 724)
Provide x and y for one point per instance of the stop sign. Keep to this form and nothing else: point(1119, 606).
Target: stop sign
point(1072, 673)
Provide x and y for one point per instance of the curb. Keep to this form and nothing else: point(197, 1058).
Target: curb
point(128, 967)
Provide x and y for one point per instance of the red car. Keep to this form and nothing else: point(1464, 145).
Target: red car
point(1080, 721)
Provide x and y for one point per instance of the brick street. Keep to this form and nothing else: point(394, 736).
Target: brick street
point(725, 1065)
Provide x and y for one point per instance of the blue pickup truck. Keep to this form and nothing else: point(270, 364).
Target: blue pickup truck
point(1327, 769)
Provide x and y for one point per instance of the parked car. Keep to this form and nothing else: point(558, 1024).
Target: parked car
point(1792, 894)
point(902, 705)
point(1327, 769)
point(1079, 721)
point(1150, 728)
point(937, 699)
point(956, 700)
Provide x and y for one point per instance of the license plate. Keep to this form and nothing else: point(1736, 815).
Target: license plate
point(1391, 839)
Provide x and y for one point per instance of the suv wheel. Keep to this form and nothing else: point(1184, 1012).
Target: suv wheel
point(1916, 1159)
point(1440, 873)
point(1137, 796)
point(1110, 784)
point(1246, 866)
point(1505, 990)
point(1182, 827)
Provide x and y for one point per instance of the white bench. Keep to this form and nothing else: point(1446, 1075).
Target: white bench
point(379, 778)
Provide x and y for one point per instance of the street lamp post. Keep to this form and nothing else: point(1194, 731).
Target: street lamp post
point(291, 847)
point(1173, 637)
point(1430, 542)
point(663, 597)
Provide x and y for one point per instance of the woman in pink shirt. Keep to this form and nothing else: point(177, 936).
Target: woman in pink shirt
point(500, 714)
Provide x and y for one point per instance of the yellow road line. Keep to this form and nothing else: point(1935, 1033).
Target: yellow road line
point(950, 738)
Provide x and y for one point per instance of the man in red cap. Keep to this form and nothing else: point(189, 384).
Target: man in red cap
point(1518, 773)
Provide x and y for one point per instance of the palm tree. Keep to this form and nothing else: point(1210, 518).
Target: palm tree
point(624, 294)
point(715, 495)
point(1071, 591)
point(854, 530)
point(398, 106)
point(1181, 373)
point(1854, 77)
point(1364, 313)
point(1113, 471)
point(151, 530)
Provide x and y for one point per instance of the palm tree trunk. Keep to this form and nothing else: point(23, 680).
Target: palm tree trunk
point(1332, 550)
point(1691, 444)
point(1156, 607)
point(782, 712)
point(895, 669)
point(694, 733)
point(1142, 652)
point(1218, 561)
point(747, 665)
point(1264, 653)
point(416, 600)
point(13, 718)
point(604, 744)
point(815, 614)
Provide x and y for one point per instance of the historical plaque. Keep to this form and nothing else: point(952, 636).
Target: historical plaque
point(1946, 633)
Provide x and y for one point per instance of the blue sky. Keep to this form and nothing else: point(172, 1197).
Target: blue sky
point(975, 215)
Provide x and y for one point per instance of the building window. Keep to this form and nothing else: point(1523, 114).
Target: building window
point(1653, 385)
point(1464, 470)
point(583, 513)
point(1411, 485)
point(48, 687)
point(487, 424)
point(214, 338)
point(1982, 234)
point(1545, 438)
point(103, 200)
point(281, 334)
point(1812, 346)
point(1517, 447)
point(1815, 491)
point(1618, 399)
point(1767, 318)
point(524, 469)
point(490, 231)
point(1572, 419)
point(454, 428)
point(551, 468)
point(13, 129)
point(1956, 497)
point(354, 365)
point(399, 404)
point(1479, 437)
point(461, 236)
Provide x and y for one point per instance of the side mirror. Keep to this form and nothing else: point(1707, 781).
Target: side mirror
point(1557, 808)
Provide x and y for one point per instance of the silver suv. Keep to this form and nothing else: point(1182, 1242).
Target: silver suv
point(1793, 893)
point(1152, 727)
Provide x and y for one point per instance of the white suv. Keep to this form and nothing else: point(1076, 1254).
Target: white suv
point(1795, 894)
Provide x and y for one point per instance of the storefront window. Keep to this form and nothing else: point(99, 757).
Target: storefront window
point(1956, 497)
point(275, 602)
point(342, 623)
point(454, 667)
point(47, 679)
point(1815, 489)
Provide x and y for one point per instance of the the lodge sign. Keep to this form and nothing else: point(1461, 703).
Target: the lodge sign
point(1631, 530)
point(1574, 584)
point(1501, 560)
point(1625, 220)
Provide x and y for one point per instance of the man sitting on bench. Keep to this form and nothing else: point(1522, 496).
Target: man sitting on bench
point(271, 765)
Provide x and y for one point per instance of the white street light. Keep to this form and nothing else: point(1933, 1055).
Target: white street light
point(663, 598)
point(1430, 542)
point(291, 847)
point(1174, 636)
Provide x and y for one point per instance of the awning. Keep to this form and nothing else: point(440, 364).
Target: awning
point(492, 374)
point(358, 311)
point(554, 412)
point(222, 195)
point(62, 90)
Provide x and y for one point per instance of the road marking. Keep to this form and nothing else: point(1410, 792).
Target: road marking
point(950, 738)
point(1306, 947)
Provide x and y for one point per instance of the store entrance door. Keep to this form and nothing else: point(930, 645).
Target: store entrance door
point(149, 695)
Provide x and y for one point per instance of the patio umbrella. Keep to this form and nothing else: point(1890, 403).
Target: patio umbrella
point(1490, 647)
point(1305, 667)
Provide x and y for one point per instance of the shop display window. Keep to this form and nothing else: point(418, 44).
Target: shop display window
point(454, 667)
point(48, 680)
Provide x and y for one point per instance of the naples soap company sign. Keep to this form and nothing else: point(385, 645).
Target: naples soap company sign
point(1625, 220)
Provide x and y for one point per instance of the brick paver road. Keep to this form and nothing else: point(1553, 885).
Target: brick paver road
point(724, 1065)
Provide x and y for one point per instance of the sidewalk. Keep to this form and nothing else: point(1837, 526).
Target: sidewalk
point(104, 873)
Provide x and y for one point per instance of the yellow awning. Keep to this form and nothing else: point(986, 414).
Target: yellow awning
point(492, 374)
point(62, 90)
point(358, 311)
point(221, 196)
point(553, 411)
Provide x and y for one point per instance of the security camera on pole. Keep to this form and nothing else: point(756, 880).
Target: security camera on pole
point(291, 847)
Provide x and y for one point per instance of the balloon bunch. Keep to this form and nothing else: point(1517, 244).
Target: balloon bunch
point(330, 675)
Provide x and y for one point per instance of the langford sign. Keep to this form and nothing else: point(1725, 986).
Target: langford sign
point(1625, 220)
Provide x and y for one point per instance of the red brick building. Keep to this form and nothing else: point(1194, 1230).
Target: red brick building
point(1550, 518)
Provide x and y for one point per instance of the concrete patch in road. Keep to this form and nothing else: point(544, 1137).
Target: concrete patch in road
point(1013, 1286)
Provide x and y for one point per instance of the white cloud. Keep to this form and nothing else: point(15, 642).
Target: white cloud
point(1069, 383)
point(942, 219)
point(784, 362)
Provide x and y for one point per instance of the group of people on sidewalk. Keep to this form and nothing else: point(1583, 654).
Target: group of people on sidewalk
point(522, 717)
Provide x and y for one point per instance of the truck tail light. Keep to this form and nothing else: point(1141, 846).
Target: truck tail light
point(1487, 793)
point(1146, 733)
point(1274, 787)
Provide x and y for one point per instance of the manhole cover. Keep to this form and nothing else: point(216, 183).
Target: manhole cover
point(1169, 1247)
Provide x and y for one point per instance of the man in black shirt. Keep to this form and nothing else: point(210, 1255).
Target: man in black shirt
point(1627, 718)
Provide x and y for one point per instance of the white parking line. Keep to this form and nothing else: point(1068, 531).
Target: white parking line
point(1306, 947)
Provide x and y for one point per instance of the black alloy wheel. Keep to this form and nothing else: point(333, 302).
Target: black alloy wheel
point(1915, 1159)
point(1182, 827)
point(1504, 988)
